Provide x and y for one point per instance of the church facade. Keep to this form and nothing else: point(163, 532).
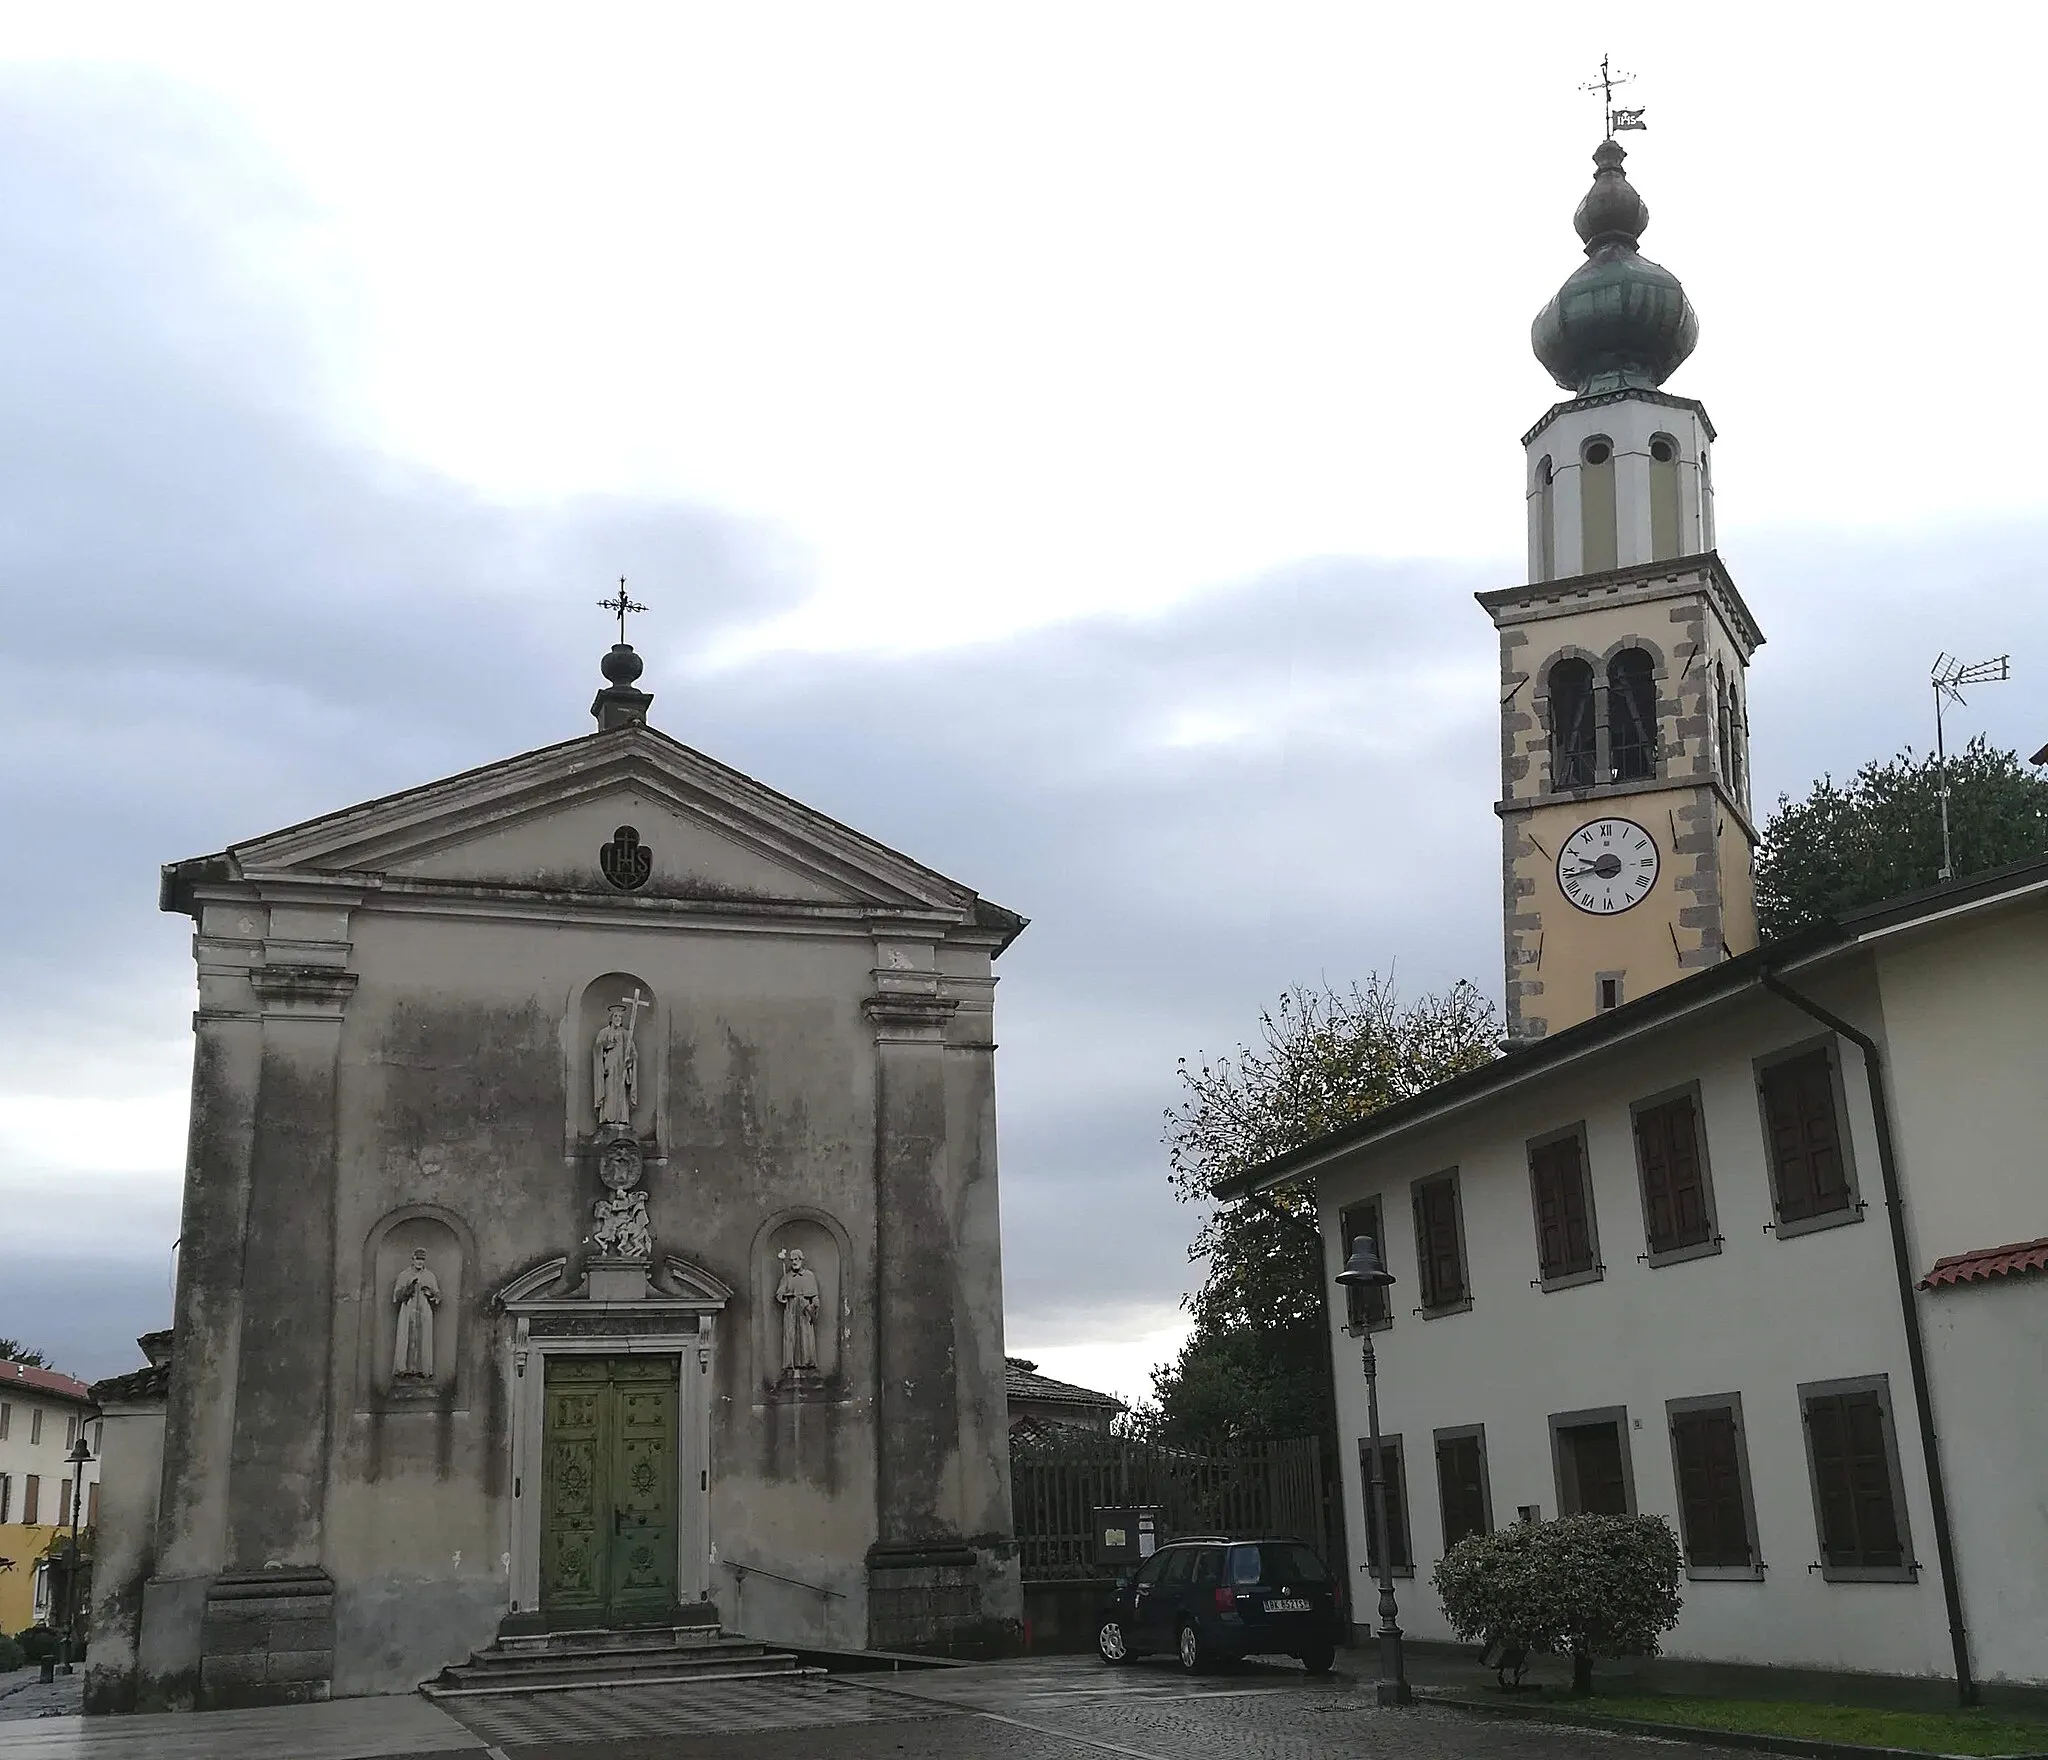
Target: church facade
point(590, 1221)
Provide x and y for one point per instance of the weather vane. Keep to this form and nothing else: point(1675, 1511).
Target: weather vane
point(1617, 120)
point(619, 606)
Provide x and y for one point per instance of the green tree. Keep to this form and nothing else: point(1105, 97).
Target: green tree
point(1258, 1359)
point(1880, 834)
point(12, 1350)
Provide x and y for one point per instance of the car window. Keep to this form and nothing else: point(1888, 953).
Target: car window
point(1274, 1561)
point(1209, 1567)
point(1148, 1572)
point(1179, 1562)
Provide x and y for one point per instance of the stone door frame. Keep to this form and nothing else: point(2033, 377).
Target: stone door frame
point(679, 1321)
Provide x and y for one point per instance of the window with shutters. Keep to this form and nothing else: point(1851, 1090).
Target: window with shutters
point(31, 1498)
point(1461, 1487)
point(92, 1504)
point(1710, 1461)
point(1671, 1161)
point(1859, 1505)
point(1812, 1184)
point(35, 1424)
point(1440, 1245)
point(1590, 1453)
point(1399, 1550)
point(1567, 1248)
point(1364, 1309)
point(6, 1499)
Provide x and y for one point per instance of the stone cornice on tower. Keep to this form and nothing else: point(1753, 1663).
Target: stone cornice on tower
point(1675, 577)
point(1630, 394)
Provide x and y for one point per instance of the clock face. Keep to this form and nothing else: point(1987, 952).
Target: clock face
point(1607, 866)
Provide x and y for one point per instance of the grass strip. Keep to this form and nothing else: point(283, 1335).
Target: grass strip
point(1973, 1732)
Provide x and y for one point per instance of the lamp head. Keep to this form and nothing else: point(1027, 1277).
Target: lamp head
point(1364, 1271)
point(81, 1451)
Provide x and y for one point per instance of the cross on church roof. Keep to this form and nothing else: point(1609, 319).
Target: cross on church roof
point(1616, 119)
point(619, 605)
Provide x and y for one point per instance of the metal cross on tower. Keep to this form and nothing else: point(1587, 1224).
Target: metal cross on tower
point(619, 605)
point(1617, 120)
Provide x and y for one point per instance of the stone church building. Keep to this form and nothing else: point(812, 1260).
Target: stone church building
point(590, 1221)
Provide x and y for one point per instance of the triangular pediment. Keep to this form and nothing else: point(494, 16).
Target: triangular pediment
point(541, 822)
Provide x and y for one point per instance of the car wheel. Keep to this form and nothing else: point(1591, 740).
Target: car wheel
point(1109, 1643)
point(1194, 1654)
point(1320, 1660)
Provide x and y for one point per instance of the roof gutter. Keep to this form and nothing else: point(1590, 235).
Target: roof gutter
point(1909, 1311)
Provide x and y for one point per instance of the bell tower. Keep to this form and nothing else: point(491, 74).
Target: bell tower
point(1626, 833)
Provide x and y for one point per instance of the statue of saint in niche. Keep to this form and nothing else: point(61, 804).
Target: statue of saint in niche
point(615, 1066)
point(417, 1294)
point(798, 1294)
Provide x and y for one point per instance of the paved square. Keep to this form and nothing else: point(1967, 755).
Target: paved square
point(1066, 1708)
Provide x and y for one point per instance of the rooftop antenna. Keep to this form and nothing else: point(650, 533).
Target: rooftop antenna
point(1617, 120)
point(1948, 677)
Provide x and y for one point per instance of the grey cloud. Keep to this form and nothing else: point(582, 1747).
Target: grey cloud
point(222, 617)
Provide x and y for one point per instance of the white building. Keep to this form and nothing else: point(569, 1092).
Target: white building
point(1748, 1236)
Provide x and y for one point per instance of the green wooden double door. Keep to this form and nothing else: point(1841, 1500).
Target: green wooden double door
point(608, 1492)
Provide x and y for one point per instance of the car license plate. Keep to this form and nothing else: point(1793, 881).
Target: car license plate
point(1287, 1604)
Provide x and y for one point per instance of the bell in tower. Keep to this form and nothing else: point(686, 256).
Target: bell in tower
point(1627, 837)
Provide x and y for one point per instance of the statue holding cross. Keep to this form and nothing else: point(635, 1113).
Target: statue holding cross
point(615, 1064)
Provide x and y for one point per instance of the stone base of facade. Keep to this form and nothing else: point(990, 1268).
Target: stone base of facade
point(267, 1638)
point(934, 1600)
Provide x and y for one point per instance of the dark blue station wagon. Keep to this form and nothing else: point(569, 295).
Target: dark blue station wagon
point(1210, 1599)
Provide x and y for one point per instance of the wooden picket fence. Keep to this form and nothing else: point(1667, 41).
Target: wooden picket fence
point(1236, 1486)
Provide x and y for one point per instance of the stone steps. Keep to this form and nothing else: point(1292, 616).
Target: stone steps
point(556, 1662)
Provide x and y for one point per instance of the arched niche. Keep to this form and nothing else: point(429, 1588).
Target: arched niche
point(818, 1235)
point(438, 1320)
point(589, 1016)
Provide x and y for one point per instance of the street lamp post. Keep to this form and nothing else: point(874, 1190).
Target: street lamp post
point(79, 1458)
point(1364, 1271)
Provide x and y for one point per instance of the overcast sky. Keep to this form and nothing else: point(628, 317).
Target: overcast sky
point(1061, 441)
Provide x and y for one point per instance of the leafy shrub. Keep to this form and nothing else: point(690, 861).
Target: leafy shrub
point(12, 1656)
point(1584, 1586)
point(37, 1643)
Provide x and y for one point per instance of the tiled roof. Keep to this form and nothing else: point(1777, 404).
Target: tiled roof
point(1021, 1380)
point(151, 1382)
point(21, 1375)
point(1988, 1262)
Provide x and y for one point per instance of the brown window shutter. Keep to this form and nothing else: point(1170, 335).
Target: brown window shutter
point(1571, 1188)
point(1366, 1307)
point(1654, 1152)
point(1462, 1488)
point(1674, 1183)
point(1852, 1469)
point(31, 1499)
point(1806, 1141)
point(1710, 1489)
point(92, 1504)
point(1397, 1503)
point(1870, 1480)
point(1436, 1235)
point(1551, 1253)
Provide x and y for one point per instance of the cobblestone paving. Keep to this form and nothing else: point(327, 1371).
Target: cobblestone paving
point(23, 1694)
point(607, 1714)
point(1055, 1709)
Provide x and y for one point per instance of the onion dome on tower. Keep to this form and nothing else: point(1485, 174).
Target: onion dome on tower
point(1620, 321)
